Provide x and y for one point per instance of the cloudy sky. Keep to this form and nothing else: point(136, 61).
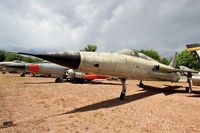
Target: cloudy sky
point(69, 25)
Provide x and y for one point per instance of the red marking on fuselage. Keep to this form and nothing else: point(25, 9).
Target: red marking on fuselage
point(94, 76)
point(34, 68)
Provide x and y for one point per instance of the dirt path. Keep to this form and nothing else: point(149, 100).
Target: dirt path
point(36, 104)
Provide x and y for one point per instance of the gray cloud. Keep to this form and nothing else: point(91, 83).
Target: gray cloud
point(43, 25)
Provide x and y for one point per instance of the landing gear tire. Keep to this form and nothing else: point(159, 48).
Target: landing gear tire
point(187, 89)
point(22, 75)
point(141, 85)
point(122, 96)
point(58, 80)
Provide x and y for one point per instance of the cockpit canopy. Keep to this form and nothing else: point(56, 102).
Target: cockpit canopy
point(131, 52)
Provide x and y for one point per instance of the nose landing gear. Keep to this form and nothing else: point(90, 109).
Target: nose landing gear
point(123, 92)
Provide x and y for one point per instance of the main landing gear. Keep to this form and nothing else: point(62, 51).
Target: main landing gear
point(189, 77)
point(59, 80)
point(123, 93)
point(141, 84)
point(22, 75)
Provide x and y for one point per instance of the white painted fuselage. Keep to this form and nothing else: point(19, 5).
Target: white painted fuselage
point(125, 66)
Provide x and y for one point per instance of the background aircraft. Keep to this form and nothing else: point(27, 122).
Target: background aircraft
point(125, 64)
point(5, 66)
point(195, 78)
point(49, 70)
point(42, 69)
point(193, 48)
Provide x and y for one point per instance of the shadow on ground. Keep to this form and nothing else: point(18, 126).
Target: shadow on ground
point(90, 83)
point(147, 91)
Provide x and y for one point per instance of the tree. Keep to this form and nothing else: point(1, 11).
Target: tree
point(165, 61)
point(185, 58)
point(13, 56)
point(2, 55)
point(10, 56)
point(151, 53)
point(90, 47)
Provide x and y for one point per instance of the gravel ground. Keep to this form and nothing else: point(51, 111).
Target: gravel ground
point(36, 104)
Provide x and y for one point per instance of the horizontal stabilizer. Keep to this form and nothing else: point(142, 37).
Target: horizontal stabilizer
point(187, 71)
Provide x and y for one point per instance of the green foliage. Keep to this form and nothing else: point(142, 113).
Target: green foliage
point(9, 56)
point(90, 48)
point(165, 61)
point(185, 58)
point(2, 55)
point(152, 54)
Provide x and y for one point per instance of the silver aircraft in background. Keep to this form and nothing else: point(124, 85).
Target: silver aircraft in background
point(41, 69)
point(5, 66)
point(61, 73)
point(125, 64)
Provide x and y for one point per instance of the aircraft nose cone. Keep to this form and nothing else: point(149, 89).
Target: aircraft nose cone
point(67, 59)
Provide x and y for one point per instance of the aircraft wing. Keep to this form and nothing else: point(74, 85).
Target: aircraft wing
point(186, 71)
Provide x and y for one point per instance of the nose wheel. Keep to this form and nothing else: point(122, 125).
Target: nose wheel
point(123, 92)
point(59, 80)
point(141, 85)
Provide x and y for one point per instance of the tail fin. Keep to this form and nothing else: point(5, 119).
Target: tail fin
point(173, 61)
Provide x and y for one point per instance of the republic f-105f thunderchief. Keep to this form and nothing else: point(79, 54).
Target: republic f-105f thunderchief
point(125, 64)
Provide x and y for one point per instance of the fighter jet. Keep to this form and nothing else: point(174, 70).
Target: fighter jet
point(125, 64)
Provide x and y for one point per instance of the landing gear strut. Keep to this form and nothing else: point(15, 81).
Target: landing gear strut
point(123, 93)
point(189, 89)
point(189, 77)
point(141, 84)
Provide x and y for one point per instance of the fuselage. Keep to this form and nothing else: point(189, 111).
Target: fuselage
point(50, 69)
point(46, 68)
point(124, 66)
point(13, 67)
